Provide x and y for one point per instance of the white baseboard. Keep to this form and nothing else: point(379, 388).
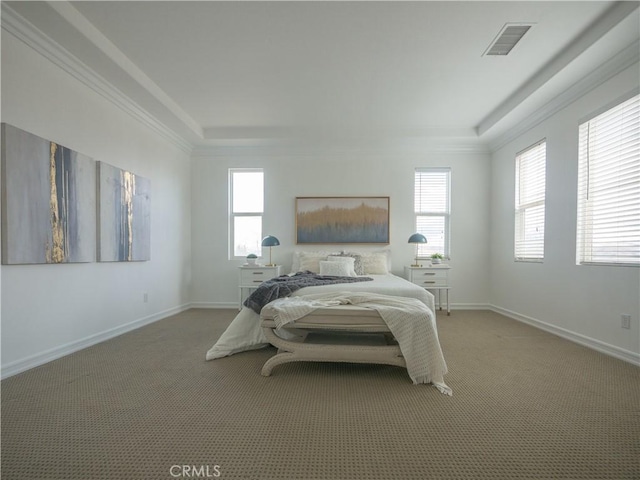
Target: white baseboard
point(214, 305)
point(469, 306)
point(38, 359)
point(612, 350)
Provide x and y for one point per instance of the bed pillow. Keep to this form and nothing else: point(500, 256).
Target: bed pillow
point(311, 260)
point(336, 269)
point(357, 261)
point(376, 263)
point(349, 261)
point(319, 255)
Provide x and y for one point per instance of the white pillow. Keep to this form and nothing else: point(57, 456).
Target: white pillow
point(320, 255)
point(336, 269)
point(375, 263)
point(295, 264)
point(357, 261)
point(349, 261)
point(311, 262)
point(371, 256)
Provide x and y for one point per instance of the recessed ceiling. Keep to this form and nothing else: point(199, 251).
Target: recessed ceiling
point(248, 69)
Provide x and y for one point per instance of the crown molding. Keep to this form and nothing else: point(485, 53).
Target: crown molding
point(23, 30)
point(380, 147)
point(221, 143)
point(67, 11)
point(615, 65)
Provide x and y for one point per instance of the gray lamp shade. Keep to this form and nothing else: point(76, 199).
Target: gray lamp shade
point(417, 238)
point(270, 241)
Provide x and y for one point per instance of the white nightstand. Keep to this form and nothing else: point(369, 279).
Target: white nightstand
point(435, 277)
point(253, 275)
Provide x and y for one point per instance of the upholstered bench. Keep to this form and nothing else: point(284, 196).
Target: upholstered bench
point(344, 333)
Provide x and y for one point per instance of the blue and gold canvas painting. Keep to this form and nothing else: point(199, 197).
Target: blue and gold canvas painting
point(124, 215)
point(48, 201)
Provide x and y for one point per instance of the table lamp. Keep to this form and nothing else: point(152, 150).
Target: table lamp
point(417, 238)
point(270, 241)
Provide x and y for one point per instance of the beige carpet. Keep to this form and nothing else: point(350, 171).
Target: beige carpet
point(526, 405)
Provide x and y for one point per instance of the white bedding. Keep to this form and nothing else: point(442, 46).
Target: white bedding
point(411, 322)
point(245, 333)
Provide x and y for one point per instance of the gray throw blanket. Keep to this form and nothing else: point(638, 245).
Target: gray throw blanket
point(285, 285)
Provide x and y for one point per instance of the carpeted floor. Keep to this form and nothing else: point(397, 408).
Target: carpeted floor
point(526, 405)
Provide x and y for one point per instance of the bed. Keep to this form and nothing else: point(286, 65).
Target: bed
point(248, 331)
point(245, 332)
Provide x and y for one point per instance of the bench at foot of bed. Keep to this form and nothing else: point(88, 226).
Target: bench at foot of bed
point(334, 334)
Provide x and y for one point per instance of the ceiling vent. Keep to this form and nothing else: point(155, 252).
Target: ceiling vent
point(507, 38)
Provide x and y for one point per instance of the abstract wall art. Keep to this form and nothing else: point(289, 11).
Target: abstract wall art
point(342, 220)
point(124, 215)
point(48, 201)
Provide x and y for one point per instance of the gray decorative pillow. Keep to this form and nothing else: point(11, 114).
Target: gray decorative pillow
point(357, 264)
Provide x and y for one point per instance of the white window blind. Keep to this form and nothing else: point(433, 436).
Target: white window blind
point(433, 209)
point(530, 204)
point(609, 187)
point(246, 205)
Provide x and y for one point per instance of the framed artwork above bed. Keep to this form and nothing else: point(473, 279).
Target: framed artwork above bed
point(361, 220)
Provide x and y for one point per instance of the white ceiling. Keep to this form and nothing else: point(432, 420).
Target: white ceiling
point(250, 71)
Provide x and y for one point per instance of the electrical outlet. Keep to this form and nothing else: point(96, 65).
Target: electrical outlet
point(145, 297)
point(626, 321)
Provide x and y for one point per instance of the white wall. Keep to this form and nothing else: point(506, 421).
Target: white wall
point(352, 172)
point(584, 302)
point(48, 310)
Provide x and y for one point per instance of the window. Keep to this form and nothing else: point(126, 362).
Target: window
point(246, 205)
point(609, 187)
point(530, 192)
point(433, 209)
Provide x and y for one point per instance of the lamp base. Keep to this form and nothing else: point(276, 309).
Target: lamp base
point(271, 265)
point(416, 265)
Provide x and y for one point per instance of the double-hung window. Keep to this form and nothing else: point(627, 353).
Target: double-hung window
point(609, 187)
point(530, 203)
point(246, 206)
point(433, 209)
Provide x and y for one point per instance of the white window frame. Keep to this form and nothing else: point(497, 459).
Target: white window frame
point(608, 219)
point(530, 212)
point(426, 250)
point(233, 215)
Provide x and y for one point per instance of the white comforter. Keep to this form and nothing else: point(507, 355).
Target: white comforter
point(245, 333)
